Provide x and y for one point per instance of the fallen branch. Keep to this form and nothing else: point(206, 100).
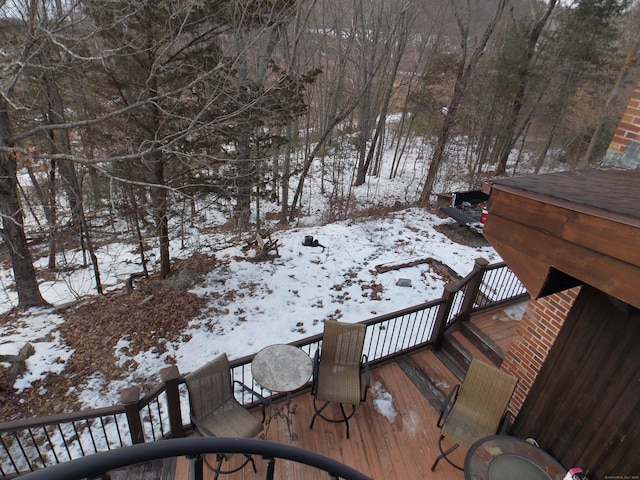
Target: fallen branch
point(387, 267)
point(17, 362)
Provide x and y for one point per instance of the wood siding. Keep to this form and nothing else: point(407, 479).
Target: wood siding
point(554, 245)
point(584, 407)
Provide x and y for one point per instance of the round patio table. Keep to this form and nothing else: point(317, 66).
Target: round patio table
point(504, 457)
point(281, 368)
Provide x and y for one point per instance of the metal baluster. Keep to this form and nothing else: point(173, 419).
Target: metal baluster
point(35, 444)
point(93, 440)
point(73, 424)
point(24, 454)
point(13, 463)
point(64, 441)
point(153, 430)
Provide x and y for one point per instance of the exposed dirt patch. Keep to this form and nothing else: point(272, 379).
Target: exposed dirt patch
point(462, 235)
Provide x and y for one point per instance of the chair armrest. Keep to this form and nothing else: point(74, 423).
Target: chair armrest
point(367, 376)
point(447, 405)
point(263, 401)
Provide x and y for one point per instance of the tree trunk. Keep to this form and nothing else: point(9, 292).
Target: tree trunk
point(286, 175)
point(12, 220)
point(309, 160)
point(438, 153)
point(159, 195)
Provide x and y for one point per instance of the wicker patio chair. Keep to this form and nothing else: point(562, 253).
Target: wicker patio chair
point(477, 408)
point(338, 368)
point(215, 412)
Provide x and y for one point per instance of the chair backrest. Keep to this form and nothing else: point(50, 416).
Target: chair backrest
point(481, 403)
point(342, 343)
point(209, 386)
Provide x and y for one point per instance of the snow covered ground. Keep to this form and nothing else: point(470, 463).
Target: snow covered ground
point(272, 302)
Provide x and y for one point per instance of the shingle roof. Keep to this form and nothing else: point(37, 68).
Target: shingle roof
point(616, 191)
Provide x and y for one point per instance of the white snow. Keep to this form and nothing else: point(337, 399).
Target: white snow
point(383, 402)
point(275, 301)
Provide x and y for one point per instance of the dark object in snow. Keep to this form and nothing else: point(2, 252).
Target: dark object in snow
point(263, 245)
point(403, 282)
point(309, 241)
point(466, 208)
point(472, 197)
point(131, 278)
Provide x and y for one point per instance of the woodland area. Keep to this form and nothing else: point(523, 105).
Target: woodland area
point(133, 110)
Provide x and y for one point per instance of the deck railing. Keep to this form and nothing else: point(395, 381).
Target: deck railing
point(31, 444)
point(195, 449)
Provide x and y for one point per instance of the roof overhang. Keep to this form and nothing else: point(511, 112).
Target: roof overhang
point(561, 230)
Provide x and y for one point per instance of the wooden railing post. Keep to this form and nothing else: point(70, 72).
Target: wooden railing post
point(472, 288)
point(129, 399)
point(170, 377)
point(443, 313)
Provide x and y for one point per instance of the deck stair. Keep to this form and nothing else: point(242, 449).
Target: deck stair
point(448, 365)
point(482, 341)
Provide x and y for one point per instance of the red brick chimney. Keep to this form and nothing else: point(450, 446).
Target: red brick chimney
point(624, 149)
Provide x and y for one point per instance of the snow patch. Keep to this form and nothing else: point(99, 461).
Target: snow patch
point(383, 402)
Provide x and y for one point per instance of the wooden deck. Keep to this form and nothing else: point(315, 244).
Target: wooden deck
point(379, 446)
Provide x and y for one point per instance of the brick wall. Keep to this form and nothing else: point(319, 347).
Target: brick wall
point(624, 148)
point(629, 126)
point(536, 333)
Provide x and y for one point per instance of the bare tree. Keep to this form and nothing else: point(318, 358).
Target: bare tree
point(510, 135)
point(468, 62)
point(13, 231)
point(392, 24)
point(12, 218)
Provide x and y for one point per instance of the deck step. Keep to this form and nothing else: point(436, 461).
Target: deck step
point(482, 342)
point(452, 364)
point(422, 381)
point(457, 352)
point(448, 365)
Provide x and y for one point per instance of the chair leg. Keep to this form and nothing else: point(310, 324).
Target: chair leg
point(217, 470)
point(318, 411)
point(444, 455)
point(218, 467)
point(346, 419)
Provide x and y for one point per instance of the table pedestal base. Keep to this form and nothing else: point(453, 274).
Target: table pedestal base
point(284, 412)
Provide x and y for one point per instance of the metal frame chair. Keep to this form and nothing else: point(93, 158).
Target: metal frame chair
point(215, 412)
point(475, 409)
point(338, 368)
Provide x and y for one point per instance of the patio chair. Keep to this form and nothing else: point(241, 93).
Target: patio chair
point(475, 409)
point(215, 412)
point(338, 369)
